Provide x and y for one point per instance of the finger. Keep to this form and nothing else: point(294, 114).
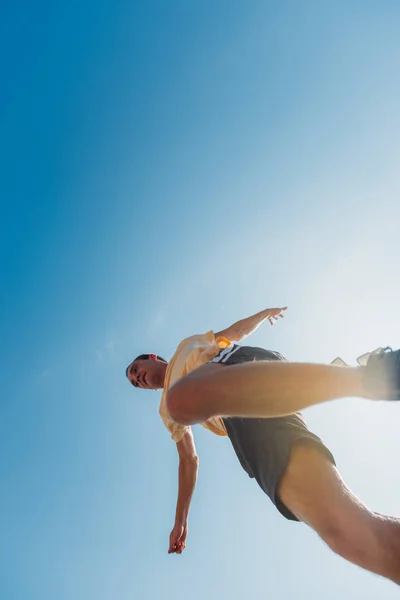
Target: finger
point(172, 546)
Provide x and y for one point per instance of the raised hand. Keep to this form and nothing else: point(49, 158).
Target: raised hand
point(273, 314)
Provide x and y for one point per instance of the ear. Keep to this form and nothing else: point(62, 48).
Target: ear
point(153, 356)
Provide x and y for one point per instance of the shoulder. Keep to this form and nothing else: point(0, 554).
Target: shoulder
point(197, 339)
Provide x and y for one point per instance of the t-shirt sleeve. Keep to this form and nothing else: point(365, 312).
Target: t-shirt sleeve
point(176, 430)
point(190, 354)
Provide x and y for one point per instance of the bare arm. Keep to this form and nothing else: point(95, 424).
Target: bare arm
point(188, 468)
point(244, 327)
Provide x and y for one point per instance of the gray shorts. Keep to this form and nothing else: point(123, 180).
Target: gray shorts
point(263, 445)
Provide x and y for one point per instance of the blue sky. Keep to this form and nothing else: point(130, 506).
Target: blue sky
point(168, 168)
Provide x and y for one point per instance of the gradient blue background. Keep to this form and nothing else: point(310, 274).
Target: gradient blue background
point(168, 168)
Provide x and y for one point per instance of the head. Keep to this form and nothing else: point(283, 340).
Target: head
point(147, 371)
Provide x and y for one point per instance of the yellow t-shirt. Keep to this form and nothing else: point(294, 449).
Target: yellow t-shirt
point(193, 352)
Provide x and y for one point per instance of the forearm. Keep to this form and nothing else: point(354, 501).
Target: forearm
point(188, 470)
point(245, 327)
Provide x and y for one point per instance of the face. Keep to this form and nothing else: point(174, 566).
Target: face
point(147, 374)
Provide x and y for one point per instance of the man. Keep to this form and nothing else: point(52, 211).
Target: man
point(289, 462)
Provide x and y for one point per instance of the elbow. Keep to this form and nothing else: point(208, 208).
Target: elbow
point(190, 462)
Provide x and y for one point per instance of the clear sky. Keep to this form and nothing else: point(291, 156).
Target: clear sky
point(168, 168)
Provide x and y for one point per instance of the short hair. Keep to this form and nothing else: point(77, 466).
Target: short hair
point(143, 357)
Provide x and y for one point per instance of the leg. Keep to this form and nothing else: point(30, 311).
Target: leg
point(314, 492)
point(259, 389)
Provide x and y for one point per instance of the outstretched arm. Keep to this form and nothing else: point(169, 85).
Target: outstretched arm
point(244, 327)
point(188, 468)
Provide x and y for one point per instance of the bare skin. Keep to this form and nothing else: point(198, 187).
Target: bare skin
point(150, 374)
point(311, 487)
point(188, 469)
point(255, 389)
point(314, 491)
point(259, 389)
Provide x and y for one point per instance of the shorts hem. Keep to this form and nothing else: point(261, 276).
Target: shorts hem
point(303, 441)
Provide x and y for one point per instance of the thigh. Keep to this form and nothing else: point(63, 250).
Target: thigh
point(264, 448)
point(233, 355)
point(314, 491)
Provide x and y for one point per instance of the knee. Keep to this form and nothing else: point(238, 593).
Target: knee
point(375, 545)
point(178, 406)
point(335, 537)
point(343, 541)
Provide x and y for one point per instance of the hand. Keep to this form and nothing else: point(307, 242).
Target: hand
point(272, 314)
point(177, 539)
